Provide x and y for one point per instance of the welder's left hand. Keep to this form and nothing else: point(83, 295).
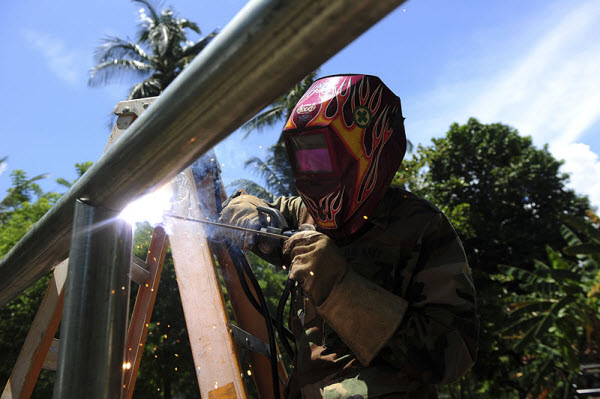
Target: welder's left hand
point(316, 263)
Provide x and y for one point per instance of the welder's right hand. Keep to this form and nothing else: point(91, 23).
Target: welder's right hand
point(240, 211)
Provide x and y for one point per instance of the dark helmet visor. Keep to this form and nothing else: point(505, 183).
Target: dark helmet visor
point(310, 152)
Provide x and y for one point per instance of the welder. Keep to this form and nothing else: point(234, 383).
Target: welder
point(384, 304)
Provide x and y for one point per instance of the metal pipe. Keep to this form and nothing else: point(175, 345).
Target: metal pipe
point(264, 50)
point(94, 325)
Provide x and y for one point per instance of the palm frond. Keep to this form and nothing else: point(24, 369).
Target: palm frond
point(150, 87)
point(151, 7)
point(582, 226)
point(266, 118)
point(64, 182)
point(102, 73)
point(282, 108)
point(187, 24)
point(583, 249)
point(273, 181)
point(115, 48)
point(194, 49)
point(252, 188)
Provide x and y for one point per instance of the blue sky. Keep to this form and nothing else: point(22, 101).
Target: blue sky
point(529, 64)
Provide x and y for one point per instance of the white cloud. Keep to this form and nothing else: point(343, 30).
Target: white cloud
point(549, 88)
point(63, 62)
point(553, 91)
point(3, 167)
point(584, 167)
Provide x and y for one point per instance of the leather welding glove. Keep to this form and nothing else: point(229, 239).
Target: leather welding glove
point(363, 314)
point(240, 211)
point(315, 263)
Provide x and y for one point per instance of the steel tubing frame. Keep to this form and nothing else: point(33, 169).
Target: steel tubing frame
point(268, 46)
point(94, 325)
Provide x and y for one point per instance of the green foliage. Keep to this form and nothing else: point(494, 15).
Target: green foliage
point(554, 315)
point(161, 51)
point(22, 190)
point(282, 108)
point(503, 196)
point(275, 170)
point(80, 168)
point(22, 207)
point(513, 190)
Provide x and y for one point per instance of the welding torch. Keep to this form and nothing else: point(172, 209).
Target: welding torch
point(282, 235)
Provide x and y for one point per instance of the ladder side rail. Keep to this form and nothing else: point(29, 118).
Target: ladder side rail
point(33, 353)
point(142, 311)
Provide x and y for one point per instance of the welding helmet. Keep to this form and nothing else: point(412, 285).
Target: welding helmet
point(345, 139)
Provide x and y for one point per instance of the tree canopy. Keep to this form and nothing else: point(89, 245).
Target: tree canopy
point(160, 51)
point(504, 197)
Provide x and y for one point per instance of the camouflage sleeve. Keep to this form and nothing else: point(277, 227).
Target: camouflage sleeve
point(293, 210)
point(437, 338)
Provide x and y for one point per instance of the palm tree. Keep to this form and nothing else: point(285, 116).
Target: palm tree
point(161, 51)
point(80, 168)
point(275, 170)
point(282, 108)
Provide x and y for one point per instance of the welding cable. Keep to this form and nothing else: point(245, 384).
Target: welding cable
point(243, 268)
point(281, 330)
point(239, 269)
point(237, 255)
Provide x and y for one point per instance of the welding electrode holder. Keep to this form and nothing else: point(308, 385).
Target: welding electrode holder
point(268, 248)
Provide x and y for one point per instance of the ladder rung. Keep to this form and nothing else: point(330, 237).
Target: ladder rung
point(140, 271)
point(52, 356)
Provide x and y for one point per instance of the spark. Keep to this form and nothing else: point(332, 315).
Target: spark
point(148, 208)
point(311, 273)
point(365, 217)
point(249, 372)
point(127, 366)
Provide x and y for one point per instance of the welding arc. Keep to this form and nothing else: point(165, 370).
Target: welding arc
point(228, 226)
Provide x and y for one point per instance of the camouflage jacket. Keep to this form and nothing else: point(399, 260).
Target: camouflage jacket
point(411, 250)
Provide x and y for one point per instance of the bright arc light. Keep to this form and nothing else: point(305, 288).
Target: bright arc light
point(149, 208)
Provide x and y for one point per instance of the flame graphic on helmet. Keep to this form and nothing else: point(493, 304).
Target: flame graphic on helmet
point(327, 208)
point(368, 150)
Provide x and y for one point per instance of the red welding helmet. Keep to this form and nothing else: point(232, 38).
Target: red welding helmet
point(345, 139)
